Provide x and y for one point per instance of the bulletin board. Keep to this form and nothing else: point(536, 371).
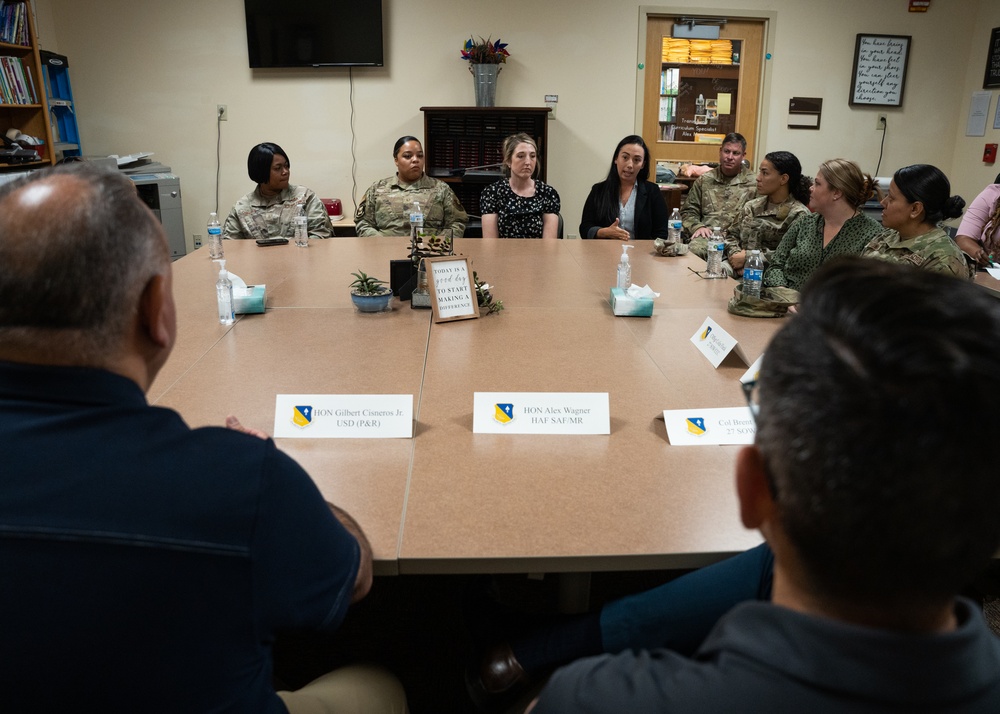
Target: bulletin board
point(879, 75)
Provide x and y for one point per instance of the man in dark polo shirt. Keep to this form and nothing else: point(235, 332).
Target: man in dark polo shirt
point(864, 484)
point(146, 566)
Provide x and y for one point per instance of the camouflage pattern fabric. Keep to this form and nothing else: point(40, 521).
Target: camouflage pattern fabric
point(765, 222)
point(385, 209)
point(934, 250)
point(715, 200)
point(773, 302)
point(255, 217)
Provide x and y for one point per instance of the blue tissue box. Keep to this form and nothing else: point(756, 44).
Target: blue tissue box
point(624, 306)
point(251, 301)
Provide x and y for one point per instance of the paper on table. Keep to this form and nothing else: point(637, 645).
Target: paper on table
point(994, 272)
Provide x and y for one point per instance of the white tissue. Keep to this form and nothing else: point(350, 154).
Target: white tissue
point(635, 292)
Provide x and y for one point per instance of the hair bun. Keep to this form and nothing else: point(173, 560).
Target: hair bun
point(953, 207)
point(871, 189)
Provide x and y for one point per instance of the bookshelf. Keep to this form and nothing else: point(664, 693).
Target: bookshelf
point(463, 137)
point(22, 105)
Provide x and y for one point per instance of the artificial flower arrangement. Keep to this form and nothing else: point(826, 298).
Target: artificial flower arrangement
point(485, 52)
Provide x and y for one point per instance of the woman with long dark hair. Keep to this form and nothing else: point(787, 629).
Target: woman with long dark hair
point(626, 205)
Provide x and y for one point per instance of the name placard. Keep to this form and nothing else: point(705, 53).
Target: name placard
point(715, 343)
point(541, 413)
point(698, 427)
point(343, 416)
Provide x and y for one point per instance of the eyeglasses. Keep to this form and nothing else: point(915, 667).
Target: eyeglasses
point(750, 392)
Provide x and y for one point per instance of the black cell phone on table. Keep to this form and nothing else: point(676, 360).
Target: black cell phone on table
point(272, 241)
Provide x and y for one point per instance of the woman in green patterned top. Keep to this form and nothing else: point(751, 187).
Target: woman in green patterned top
point(837, 226)
point(919, 198)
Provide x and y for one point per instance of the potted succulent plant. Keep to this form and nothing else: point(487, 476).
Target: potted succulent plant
point(368, 293)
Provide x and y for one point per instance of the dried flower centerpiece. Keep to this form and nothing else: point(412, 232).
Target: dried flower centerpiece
point(484, 58)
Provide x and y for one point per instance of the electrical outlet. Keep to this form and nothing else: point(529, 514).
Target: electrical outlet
point(197, 240)
point(223, 112)
point(880, 122)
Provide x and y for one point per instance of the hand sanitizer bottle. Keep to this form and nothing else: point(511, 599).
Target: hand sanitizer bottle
point(625, 269)
point(224, 294)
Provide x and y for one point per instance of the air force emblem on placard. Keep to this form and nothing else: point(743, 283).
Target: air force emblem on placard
point(504, 413)
point(302, 416)
point(696, 425)
point(708, 330)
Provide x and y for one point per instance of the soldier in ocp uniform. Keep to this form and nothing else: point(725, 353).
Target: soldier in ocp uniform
point(716, 197)
point(385, 209)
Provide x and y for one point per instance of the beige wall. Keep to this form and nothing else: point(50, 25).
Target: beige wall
point(148, 76)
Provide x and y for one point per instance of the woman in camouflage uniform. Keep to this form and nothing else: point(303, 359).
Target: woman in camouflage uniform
point(385, 209)
point(270, 209)
point(919, 198)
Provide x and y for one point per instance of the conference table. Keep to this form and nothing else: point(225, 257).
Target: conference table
point(449, 500)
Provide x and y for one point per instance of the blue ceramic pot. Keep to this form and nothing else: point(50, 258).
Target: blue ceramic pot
point(372, 303)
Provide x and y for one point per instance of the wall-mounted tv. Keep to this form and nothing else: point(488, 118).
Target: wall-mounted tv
point(314, 33)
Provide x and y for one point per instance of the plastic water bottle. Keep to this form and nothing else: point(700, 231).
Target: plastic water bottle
point(753, 274)
point(301, 224)
point(714, 257)
point(416, 224)
point(224, 295)
point(214, 231)
point(674, 227)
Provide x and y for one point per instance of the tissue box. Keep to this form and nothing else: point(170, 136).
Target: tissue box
point(249, 300)
point(623, 305)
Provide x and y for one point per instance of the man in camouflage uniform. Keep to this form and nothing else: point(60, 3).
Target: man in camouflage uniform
point(934, 250)
point(716, 197)
point(385, 209)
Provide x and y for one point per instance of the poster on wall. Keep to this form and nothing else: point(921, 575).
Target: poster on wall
point(879, 74)
point(992, 78)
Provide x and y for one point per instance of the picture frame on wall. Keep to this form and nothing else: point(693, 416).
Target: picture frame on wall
point(991, 80)
point(879, 75)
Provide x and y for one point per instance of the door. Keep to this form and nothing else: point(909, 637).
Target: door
point(696, 91)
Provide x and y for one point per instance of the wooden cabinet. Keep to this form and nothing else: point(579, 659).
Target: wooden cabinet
point(458, 138)
point(31, 117)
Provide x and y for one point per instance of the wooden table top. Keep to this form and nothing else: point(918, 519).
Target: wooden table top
point(449, 500)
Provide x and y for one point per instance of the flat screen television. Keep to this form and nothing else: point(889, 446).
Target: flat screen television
point(314, 33)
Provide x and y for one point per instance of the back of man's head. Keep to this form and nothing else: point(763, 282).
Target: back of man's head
point(873, 403)
point(77, 247)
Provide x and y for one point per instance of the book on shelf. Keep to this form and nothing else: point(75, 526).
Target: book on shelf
point(13, 23)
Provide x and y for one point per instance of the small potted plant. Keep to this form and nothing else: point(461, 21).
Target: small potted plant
point(368, 293)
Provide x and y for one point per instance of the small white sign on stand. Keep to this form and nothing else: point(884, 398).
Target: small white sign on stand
point(715, 343)
point(343, 416)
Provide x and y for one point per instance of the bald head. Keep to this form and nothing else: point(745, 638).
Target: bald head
point(77, 249)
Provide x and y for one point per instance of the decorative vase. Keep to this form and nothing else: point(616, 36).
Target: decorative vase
point(484, 78)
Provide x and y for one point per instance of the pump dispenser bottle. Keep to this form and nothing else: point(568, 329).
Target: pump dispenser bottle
point(224, 294)
point(625, 269)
